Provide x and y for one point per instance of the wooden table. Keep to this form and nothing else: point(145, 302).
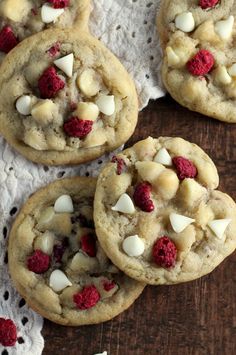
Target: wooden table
point(195, 318)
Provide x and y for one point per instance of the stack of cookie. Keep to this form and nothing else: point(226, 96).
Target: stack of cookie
point(199, 68)
point(81, 250)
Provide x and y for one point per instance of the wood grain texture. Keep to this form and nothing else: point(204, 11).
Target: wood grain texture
point(195, 318)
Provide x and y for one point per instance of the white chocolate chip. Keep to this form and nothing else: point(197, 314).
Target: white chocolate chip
point(88, 82)
point(179, 222)
point(58, 281)
point(104, 353)
point(124, 205)
point(44, 112)
point(23, 105)
point(232, 70)
point(64, 204)
point(224, 28)
point(222, 76)
point(87, 111)
point(66, 64)
point(163, 157)
point(49, 14)
point(172, 57)
point(218, 226)
point(185, 22)
point(45, 242)
point(133, 246)
point(106, 104)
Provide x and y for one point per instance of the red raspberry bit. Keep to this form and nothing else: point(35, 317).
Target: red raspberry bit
point(8, 333)
point(59, 250)
point(206, 4)
point(201, 63)
point(88, 245)
point(50, 83)
point(120, 164)
point(34, 11)
point(54, 50)
point(7, 39)
point(185, 168)
point(142, 198)
point(108, 285)
point(164, 252)
point(87, 298)
point(38, 262)
point(75, 127)
point(59, 4)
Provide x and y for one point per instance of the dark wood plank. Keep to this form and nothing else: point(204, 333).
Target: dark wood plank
point(195, 318)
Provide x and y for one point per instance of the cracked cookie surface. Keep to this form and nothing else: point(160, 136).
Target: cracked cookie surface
point(77, 103)
point(57, 263)
point(159, 218)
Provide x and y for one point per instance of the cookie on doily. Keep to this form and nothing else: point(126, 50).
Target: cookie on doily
point(199, 69)
point(157, 213)
point(68, 108)
point(20, 19)
point(56, 262)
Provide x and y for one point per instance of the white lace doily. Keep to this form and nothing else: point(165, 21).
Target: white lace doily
point(128, 28)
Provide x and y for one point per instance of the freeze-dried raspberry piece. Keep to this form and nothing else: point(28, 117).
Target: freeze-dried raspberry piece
point(59, 4)
point(54, 50)
point(108, 285)
point(50, 83)
point(8, 333)
point(39, 262)
point(201, 63)
point(88, 245)
point(7, 39)
point(120, 164)
point(142, 198)
point(206, 4)
point(59, 250)
point(87, 298)
point(164, 252)
point(185, 168)
point(75, 127)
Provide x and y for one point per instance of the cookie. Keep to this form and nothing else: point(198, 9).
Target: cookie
point(199, 65)
point(56, 262)
point(157, 213)
point(20, 19)
point(69, 105)
point(187, 15)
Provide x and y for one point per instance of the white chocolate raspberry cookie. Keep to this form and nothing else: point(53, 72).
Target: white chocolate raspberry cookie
point(20, 19)
point(187, 15)
point(199, 66)
point(56, 262)
point(67, 99)
point(157, 213)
